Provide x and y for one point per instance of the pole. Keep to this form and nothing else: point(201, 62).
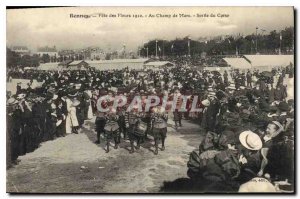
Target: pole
point(147, 52)
point(163, 49)
point(256, 40)
point(280, 38)
point(189, 48)
point(156, 49)
point(139, 52)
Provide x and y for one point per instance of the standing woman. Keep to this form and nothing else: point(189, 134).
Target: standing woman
point(71, 120)
point(159, 118)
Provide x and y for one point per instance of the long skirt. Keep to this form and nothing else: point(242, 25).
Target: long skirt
point(71, 120)
point(90, 112)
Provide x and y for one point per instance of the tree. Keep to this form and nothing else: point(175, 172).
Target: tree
point(45, 58)
point(12, 58)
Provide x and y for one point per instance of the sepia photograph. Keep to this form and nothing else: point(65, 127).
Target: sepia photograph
point(150, 100)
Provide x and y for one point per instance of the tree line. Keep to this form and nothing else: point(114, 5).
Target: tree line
point(266, 44)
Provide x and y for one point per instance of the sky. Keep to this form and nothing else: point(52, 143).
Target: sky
point(40, 27)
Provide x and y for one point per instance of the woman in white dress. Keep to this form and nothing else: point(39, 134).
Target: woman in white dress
point(71, 120)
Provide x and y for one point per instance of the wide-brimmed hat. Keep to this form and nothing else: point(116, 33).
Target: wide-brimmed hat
point(205, 102)
point(231, 87)
point(77, 86)
point(72, 93)
point(12, 101)
point(21, 96)
point(264, 106)
point(211, 94)
point(283, 106)
point(250, 140)
point(210, 89)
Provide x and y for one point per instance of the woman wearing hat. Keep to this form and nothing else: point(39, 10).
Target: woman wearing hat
point(71, 119)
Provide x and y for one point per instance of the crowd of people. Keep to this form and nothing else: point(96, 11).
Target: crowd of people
point(245, 116)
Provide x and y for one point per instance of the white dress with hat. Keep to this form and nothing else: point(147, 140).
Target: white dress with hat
point(90, 112)
point(71, 120)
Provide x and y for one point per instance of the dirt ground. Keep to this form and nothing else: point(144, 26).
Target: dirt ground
point(74, 164)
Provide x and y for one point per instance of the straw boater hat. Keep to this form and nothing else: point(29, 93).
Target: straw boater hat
point(231, 87)
point(77, 86)
point(210, 89)
point(250, 140)
point(205, 102)
point(12, 101)
point(21, 96)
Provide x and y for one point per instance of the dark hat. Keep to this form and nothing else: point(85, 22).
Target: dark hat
point(227, 137)
point(291, 102)
point(283, 106)
point(73, 93)
point(220, 94)
point(264, 106)
point(49, 95)
point(273, 109)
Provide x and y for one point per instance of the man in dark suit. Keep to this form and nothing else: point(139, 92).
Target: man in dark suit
point(19, 88)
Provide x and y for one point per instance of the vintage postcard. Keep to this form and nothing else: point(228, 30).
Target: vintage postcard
point(150, 100)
